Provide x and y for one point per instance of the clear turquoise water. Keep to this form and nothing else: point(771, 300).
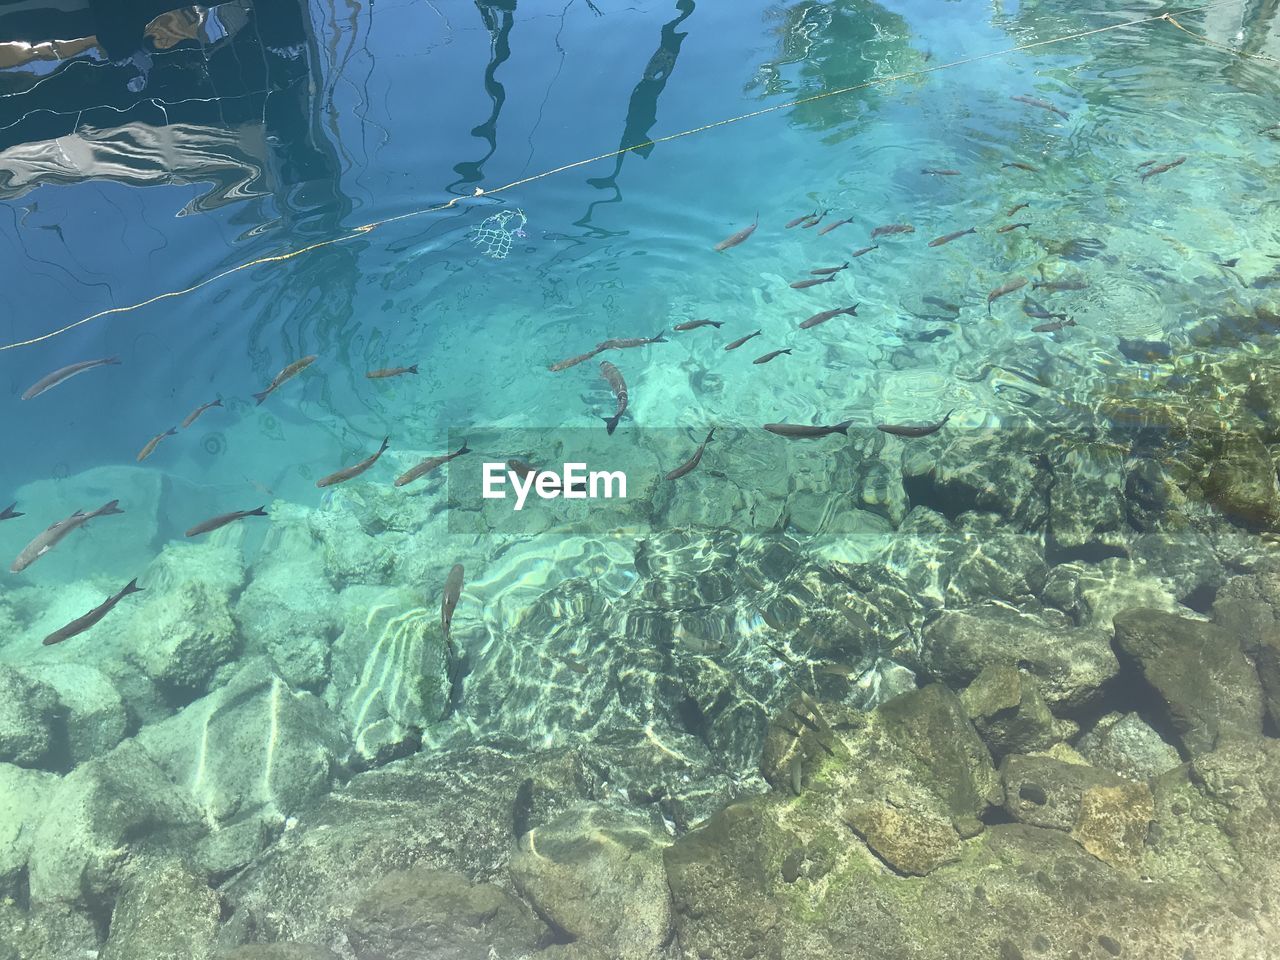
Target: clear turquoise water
point(390, 109)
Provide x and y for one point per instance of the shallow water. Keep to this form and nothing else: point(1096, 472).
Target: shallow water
point(688, 613)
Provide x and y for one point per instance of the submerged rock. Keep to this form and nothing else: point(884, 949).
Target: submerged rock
point(425, 912)
point(288, 610)
point(92, 714)
point(597, 876)
point(1210, 692)
point(1249, 608)
point(388, 678)
point(1046, 792)
point(252, 750)
point(27, 711)
point(182, 635)
point(45, 932)
point(1241, 482)
point(1125, 744)
point(1112, 822)
point(1010, 714)
point(456, 810)
point(908, 841)
point(99, 817)
point(24, 796)
point(280, 951)
point(1071, 663)
point(164, 912)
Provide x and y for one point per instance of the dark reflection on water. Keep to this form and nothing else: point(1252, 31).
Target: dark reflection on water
point(642, 110)
point(499, 18)
point(221, 95)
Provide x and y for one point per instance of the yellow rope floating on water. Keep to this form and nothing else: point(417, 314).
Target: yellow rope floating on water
point(877, 81)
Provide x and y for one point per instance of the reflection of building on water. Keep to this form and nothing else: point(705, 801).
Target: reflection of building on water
point(150, 94)
point(1251, 27)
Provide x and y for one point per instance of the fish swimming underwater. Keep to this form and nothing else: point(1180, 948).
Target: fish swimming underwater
point(771, 356)
point(429, 464)
point(386, 372)
point(613, 376)
point(155, 442)
point(50, 381)
point(939, 241)
point(801, 431)
point(285, 375)
point(741, 340)
point(696, 324)
point(81, 624)
point(9, 513)
point(214, 523)
point(680, 471)
point(347, 473)
point(913, 430)
point(741, 235)
point(449, 599)
point(195, 414)
point(51, 537)
point(826, 315)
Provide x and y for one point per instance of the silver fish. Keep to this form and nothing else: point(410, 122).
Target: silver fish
point(66, 373)
point(50, 538)
point(288, 373)
point(742, 234)
point(804, 431)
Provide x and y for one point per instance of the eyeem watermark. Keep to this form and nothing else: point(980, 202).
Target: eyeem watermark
point(574, 482)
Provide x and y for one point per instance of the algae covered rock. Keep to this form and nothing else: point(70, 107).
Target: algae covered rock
point(425, 912)
point(1086, 499)
point(578, 870)
point(727, 882)
point(1009, 713)
point(1046, 792)
point(164, 912)
point(1209, 690)
point(1241, 482)
point(1112, 822)
point(1070, 663)
point(45, 932)
point(908, 841)
point(100, 816)
point(27, 711)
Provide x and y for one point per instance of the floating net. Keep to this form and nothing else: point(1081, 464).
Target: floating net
point(494, 234)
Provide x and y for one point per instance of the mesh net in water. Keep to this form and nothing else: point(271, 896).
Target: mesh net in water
point(495, 234)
